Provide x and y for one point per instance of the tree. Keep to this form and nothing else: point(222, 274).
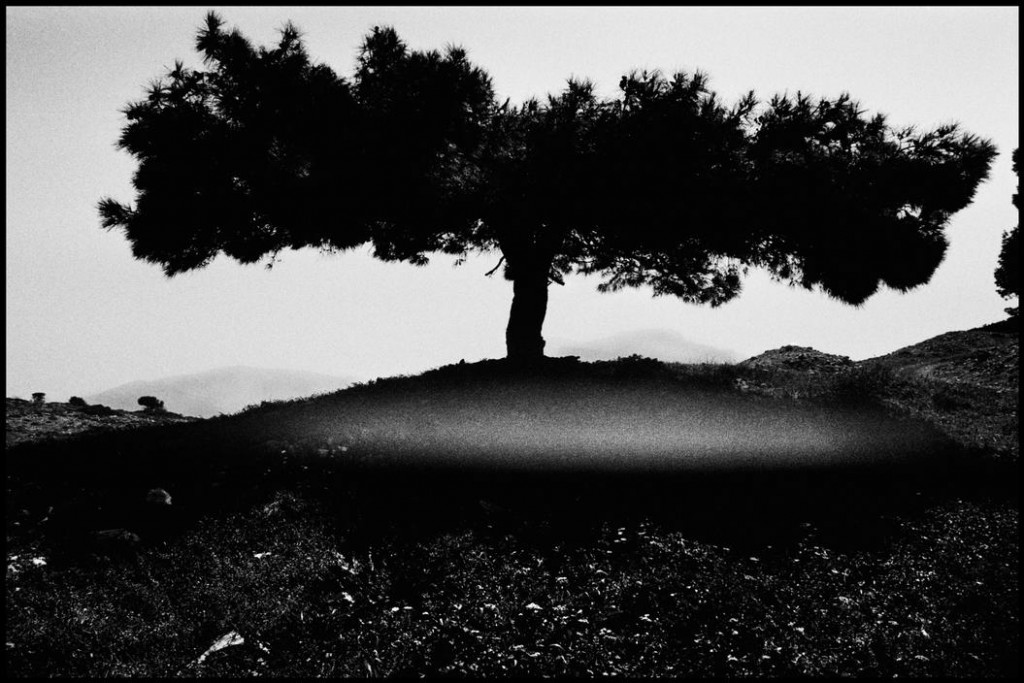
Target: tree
point(1008, 271)
point(662, 186)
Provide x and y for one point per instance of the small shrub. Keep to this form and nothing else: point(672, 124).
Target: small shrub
point(634, 367)
point(39, 398)
point(99, 410)
point(77, 401)
point(151, 403)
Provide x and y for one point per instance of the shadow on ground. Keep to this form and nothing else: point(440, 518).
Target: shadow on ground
point(851, 506)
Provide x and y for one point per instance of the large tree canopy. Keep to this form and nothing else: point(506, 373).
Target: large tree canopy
point(1008, 270)
point(266, 151)
point(663, 185)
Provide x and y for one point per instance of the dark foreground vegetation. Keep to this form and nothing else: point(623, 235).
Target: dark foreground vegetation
point(392, 529)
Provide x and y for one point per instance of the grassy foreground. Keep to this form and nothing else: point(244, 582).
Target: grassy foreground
point(335, 536)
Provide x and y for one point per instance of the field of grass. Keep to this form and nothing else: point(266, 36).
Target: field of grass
point(394, 529)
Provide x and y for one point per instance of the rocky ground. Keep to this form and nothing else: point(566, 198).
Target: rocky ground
point(28, 421)
point(966, 383)
point(971, 383)
point(802, 358)
point(983, 357)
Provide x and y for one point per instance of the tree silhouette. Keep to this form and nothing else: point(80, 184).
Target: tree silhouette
point(1008, 271)
point(663, 185)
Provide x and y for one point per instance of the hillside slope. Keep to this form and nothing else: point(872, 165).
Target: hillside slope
point(288, 551)
point(981, 357)
point(966, 383)
point(224, 390)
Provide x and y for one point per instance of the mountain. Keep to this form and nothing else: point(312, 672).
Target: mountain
point(662, 344)
point(223, 390)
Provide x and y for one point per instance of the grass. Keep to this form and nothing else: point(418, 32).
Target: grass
point(312, 530)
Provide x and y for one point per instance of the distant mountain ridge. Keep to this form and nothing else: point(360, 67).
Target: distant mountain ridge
point(222, 390)
point(665, 345)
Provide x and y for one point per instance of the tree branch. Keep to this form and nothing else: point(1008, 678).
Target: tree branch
point(491, 271)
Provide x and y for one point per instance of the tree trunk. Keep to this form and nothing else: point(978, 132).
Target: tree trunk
point(523, 339)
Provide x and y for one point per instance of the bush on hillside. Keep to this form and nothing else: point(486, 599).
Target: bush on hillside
point(151, 403)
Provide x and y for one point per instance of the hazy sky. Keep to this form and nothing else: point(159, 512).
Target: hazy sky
point(83, 316)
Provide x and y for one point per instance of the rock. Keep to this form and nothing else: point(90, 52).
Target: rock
point(802, 358)
point(157, 519)
point(227, 640)
point(158, 497)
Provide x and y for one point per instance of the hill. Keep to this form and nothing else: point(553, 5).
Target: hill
point(223, 390)
point(793, 523)
point(965, 383)
point(985, 357)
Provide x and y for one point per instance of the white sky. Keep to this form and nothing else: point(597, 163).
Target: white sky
point(83, 315)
